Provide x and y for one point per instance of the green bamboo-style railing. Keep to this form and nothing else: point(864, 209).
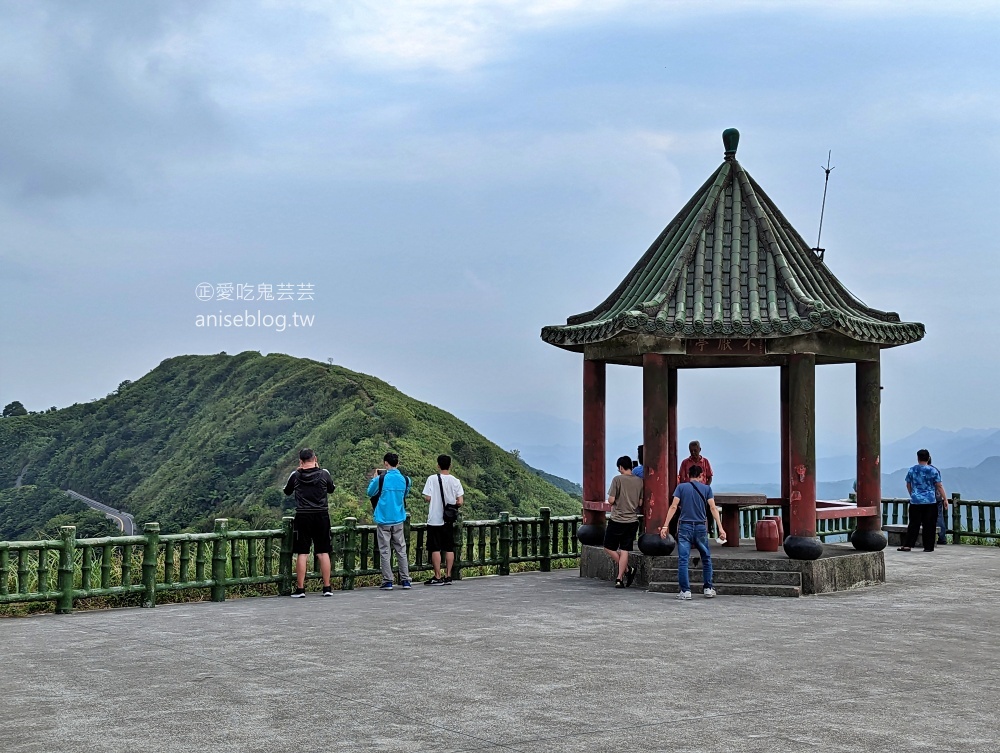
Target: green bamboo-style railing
point(966, 519)
point(825, 528)
point(66, 569)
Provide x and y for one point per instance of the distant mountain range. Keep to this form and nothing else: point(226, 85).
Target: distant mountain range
point(969, 459)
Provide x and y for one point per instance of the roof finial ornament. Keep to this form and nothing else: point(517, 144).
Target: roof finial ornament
point(730, 140)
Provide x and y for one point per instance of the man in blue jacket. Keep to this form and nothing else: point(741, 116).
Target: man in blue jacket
point(391, 486)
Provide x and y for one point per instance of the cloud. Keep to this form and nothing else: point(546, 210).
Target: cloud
point(95, 96)
point(105, 97)
point(458, 36)
point(452, 35)
point(605, 159)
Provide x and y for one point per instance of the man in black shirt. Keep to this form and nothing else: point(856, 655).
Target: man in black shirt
point(311, 484)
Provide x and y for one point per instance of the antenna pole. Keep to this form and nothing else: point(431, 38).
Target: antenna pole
point(822, 210)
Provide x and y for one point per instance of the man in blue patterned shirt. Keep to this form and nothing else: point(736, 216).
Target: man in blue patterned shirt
point(923, 482)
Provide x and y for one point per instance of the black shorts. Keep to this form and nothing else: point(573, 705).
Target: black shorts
point(314, 529)
point(441, 538)
point(620, 535)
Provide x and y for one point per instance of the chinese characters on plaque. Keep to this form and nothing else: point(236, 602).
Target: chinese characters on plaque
point(729, 346)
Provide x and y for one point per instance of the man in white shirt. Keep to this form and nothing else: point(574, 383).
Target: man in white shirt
point(442, 490)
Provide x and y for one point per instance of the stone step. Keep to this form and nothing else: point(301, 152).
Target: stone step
point(747, 577)
point(731, 589)
point(776, 562)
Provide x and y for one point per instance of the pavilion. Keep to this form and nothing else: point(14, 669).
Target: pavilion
point(729, 283)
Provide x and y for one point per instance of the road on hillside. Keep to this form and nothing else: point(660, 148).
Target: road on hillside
point(125, 521)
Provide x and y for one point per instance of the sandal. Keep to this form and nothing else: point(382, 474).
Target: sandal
point(619, 583)
point(904, 549)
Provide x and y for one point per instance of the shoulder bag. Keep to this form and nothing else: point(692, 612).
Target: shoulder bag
point(450, 512)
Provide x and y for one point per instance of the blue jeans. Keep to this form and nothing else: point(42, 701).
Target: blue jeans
point(696, 534)
point(942, 523)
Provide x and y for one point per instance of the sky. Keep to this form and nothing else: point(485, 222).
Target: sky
point(421, 186)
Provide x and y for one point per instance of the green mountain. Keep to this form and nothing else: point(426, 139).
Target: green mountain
point(559, 482)
point(203, 437)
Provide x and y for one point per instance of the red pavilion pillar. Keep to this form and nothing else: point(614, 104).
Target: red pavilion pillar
point(786, 467)
point(594, 428)
point(868, 536)
point(672, 442)
point(671, 430)
point(802, 543)
point(656, 428)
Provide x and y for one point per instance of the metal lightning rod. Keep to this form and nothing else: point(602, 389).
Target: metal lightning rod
point(819, 251)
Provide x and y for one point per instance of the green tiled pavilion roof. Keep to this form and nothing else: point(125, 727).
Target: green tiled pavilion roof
point(702, 279)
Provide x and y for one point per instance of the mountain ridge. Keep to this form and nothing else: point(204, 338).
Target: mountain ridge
point(201, 437)
point(748, 458)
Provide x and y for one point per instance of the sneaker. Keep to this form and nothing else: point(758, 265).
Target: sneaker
point(629, 577)
point(434, 582)
point(619, 583)
point(709, 593)
point(328, 590)
point(299, 593)
point(446, 581)
point(406, 585)
point(386, 586)
point(684, 596)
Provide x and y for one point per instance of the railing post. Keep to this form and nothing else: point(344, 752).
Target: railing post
point(504, 567)
point(64, 580)
point(4, 568)
point(151, 532)
point(350, 554)
point(219, 560)
point(406, 536)
point(285, 563)
point(956, 518)
point(545, 540)
point(457, 537)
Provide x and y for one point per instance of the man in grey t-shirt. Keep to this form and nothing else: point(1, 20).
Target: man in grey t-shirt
point(625, 498)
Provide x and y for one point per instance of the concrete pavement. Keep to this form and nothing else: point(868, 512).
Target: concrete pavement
point(532, 662)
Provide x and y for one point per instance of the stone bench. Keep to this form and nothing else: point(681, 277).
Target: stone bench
point(895, 534)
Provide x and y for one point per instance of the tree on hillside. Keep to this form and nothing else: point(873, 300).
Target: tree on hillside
point(14, 409)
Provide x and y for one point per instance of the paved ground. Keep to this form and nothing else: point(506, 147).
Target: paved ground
point(530, 662)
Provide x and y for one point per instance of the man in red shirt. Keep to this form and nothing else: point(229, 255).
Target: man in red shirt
point(683, 475)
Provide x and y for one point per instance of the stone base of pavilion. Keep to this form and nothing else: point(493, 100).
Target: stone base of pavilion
point(744, 571)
